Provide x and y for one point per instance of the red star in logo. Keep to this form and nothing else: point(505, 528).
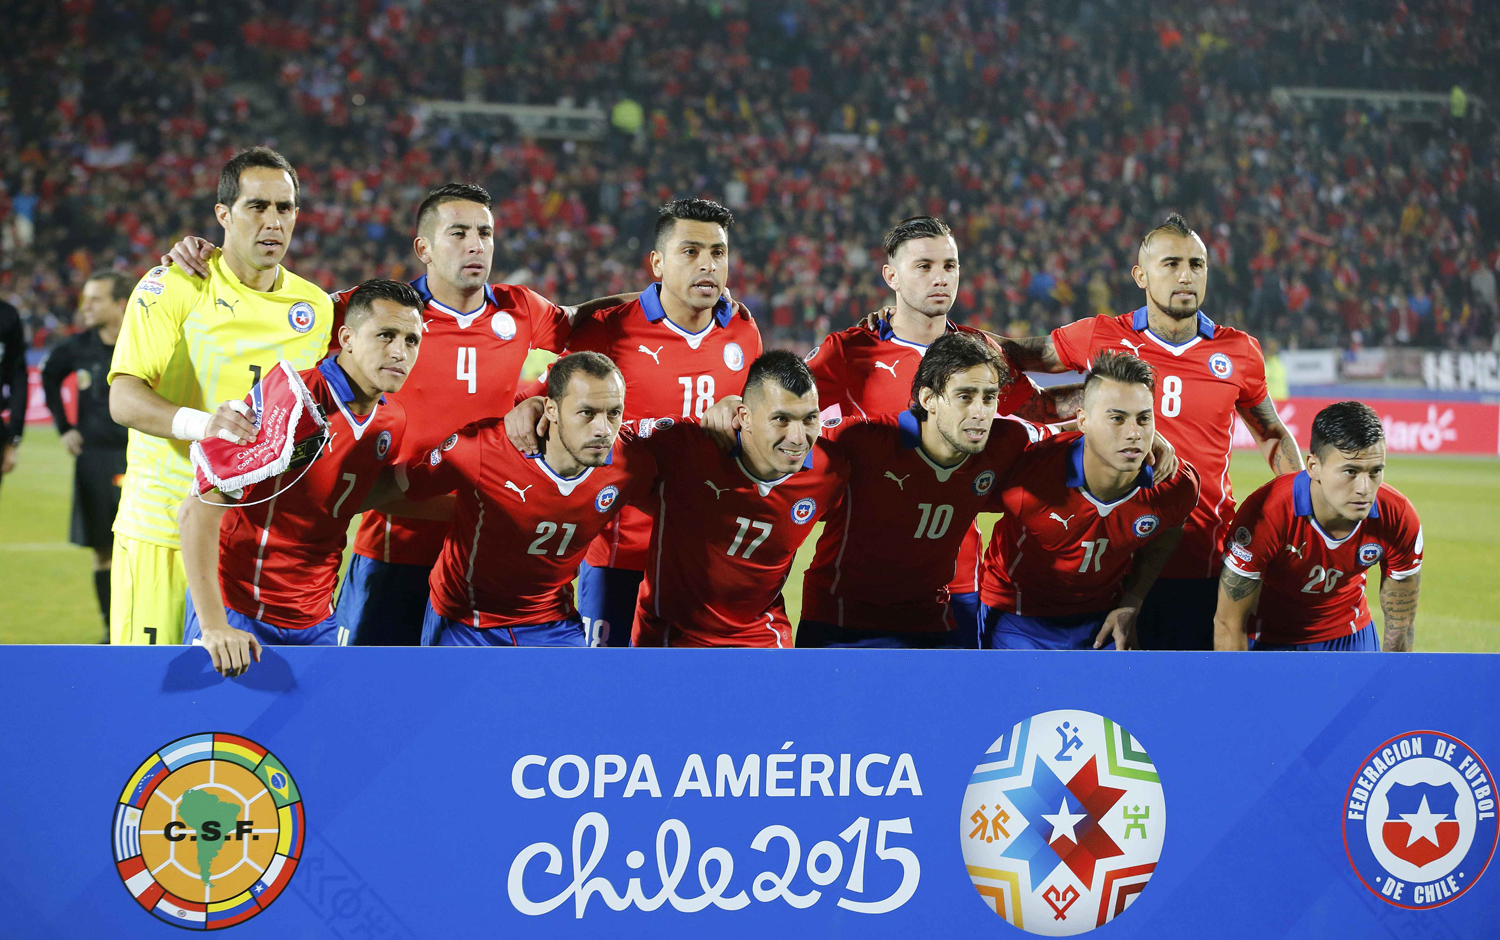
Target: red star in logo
point(1094, 844)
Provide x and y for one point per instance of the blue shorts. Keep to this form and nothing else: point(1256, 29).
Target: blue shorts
point(606, 602)
point(1008, 631)
point(381, 603)
point(1178, 614)
point(327, 633)
point(1362, 641)
point(438, 630)
point(965, 609)
point(814, 634)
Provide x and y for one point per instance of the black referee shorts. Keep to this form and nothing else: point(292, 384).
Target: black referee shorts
point(96, 496)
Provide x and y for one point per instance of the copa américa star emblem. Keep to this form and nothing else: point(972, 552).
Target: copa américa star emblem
point(1419, 819)
point(1062, 823)
point(1220, 365)
point(208, 831)
point(301, 316)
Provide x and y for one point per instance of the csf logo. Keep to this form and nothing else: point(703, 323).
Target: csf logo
point(803, 510)
point(984, 482)
point(382, 445)
point(504, 325)
point(1220, 365)
point(833, 421)
point(1369, 553)
point(1145, 525)
point(1242, 536)
point(606, 498)
point(208, 831)
point(809, 357)
point(734, 357)
point(301, 316)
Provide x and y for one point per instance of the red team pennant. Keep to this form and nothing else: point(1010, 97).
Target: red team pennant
point(291, 431)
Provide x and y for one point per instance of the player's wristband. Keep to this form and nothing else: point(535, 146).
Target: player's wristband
point(190, 424)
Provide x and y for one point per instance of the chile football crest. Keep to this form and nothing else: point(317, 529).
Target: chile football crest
point(1419, 819)
point(1062, 823)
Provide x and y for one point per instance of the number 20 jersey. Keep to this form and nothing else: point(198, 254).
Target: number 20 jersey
point(467, 368)
point(1312, 585)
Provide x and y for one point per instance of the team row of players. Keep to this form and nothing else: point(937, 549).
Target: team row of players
point(679, 346)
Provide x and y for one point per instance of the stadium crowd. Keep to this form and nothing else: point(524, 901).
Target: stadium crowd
point(1046, 133)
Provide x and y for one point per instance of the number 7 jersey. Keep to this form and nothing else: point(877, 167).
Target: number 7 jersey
point(1313, 585)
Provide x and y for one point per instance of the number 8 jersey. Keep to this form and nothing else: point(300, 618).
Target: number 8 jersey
point(1313, 585)
point(1199, 384)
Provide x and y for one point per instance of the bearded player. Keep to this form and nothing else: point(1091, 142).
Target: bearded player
point(1294, 578)
point(1205, 374)
point(262, 561)
point(680, 345)
point(505, 577)
point(1087, 526)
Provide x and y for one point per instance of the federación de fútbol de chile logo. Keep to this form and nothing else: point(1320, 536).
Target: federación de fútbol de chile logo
point(1062, 823)
point(208, 831)
point(1419, 819)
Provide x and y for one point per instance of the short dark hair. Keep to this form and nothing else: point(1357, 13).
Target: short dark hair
point(361, 302)
point(1118, 366)
point(918, 226)
point(690, 210)
point(784, 368)
point(1348, 426)
point(229, 177)
point(592, 364)
point(450, 192)
point(1173, 223)
point(949, 355)
point(119, 282)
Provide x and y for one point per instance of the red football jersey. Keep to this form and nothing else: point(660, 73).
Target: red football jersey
point(468, 368)
point(723, 542)
point(1312, 585)
point(669, 373)
point(1199, 385)
point(867, 372)
point(519, 529)
point(887, 553)
point(1058, 550)
point(279, 559)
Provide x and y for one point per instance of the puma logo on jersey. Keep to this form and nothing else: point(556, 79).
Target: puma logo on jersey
point(1134, 347)
point(900, 481)
point(511, 486)
point(655, 356)
point(889, 368)
point(145, 305)
point(1061, 519)
point(718, 490)
point(1295, 550)
point(221, 302)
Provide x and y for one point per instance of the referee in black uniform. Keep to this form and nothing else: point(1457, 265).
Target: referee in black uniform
point(12, 385)
point(96, 440)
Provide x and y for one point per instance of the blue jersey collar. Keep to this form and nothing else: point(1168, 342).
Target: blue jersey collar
point(739, 451)
point(421, 286)
point(1302, 497)
point(884, 330)
point(911, 430)
point(338, 381)
point(1141, 322)
point(651, 305)
point(1075, 469)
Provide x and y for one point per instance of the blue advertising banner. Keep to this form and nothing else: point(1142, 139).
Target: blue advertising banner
point(395, 793)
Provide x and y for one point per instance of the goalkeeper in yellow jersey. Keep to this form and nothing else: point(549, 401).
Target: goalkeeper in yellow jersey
point(189, 351)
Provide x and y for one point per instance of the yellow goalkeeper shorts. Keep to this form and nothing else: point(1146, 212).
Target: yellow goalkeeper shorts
point(147, 593)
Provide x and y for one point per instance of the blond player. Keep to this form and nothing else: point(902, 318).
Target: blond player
point(190, 344)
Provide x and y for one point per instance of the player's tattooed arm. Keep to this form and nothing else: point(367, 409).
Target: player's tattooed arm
point(1276, 442)
point(1055, 404)
point(1031, 353)
point(1398, 602)
point(1238, 596)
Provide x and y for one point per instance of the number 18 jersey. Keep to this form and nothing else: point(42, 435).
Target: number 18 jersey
point(467, 368)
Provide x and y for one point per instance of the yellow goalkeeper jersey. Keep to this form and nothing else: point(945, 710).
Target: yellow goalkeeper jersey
point(199, 342)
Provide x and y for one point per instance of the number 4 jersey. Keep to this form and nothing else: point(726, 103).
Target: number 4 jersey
point(1313, 585)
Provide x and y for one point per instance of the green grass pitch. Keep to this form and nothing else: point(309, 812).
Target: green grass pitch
point(47, 596)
